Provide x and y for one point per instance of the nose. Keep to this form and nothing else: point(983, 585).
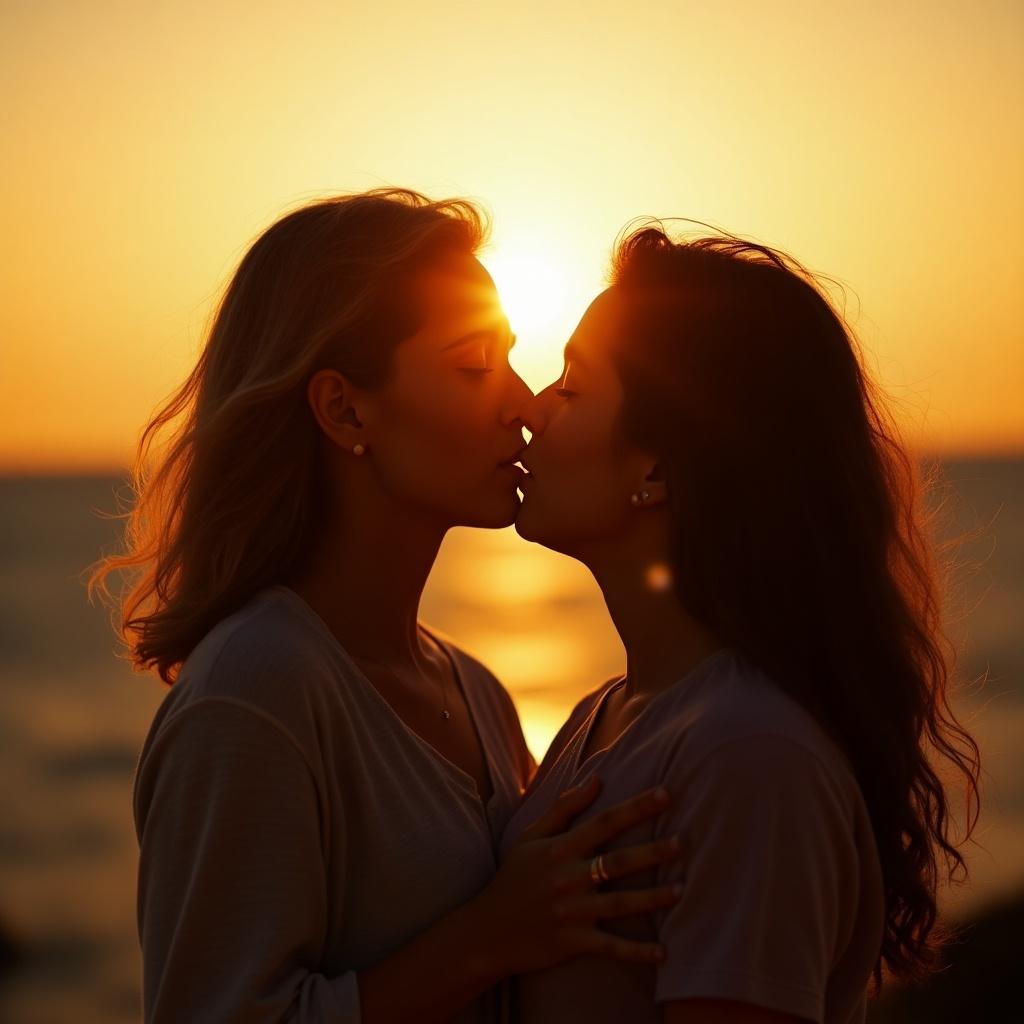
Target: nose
point(536, 410)
point(517, 396)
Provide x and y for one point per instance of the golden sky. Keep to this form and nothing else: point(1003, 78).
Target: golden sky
point(145, 145)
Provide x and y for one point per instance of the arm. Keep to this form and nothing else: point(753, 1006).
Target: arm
point(232, 897)
point(768, 867)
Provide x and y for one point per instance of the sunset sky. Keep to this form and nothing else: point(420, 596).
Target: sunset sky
point(145, 145)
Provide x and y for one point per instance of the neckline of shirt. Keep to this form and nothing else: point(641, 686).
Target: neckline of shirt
point(310, 614)
point(685, 682)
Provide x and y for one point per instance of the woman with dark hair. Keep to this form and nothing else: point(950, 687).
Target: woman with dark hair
point(715, 453)
point(320, 797)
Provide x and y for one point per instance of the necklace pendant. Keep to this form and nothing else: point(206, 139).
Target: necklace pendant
point(446, 714)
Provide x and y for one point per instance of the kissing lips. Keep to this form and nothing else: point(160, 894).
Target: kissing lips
point(513, 470)
point(511, 464)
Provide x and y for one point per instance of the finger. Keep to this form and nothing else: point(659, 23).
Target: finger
point(631, 859)
point(602, 944)
point(591, 834)
point(568, 806)
point(600, 906)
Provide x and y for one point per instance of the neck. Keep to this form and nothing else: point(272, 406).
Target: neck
point(663, 641)
point(366, 584)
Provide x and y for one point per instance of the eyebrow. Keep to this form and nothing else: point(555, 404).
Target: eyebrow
point(483, 335)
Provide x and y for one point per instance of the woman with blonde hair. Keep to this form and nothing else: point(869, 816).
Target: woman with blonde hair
point(319, 798)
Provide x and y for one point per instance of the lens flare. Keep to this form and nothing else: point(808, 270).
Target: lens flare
point(658, 577)
point(544, 291)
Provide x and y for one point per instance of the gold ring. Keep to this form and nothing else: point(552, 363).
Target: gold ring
point(598, 872)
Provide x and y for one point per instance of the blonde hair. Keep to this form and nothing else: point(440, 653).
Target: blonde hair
point(231, 500)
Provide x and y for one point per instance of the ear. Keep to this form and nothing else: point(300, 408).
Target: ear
point(652, 485)
point(334, 402)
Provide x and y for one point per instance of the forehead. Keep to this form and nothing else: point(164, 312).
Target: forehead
point(456, 292)
point(594, 336)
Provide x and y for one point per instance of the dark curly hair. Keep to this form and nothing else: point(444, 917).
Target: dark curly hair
point(785, 470)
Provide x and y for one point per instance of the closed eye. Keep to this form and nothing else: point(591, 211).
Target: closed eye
point(564, 392)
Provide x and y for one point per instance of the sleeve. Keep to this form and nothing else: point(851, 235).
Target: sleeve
point(768, 853)
point(232, 899)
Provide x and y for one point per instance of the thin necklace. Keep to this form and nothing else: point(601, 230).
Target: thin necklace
point(445, 713)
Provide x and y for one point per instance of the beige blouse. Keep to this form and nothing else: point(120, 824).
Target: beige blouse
point(292, 828)
point(782, 902)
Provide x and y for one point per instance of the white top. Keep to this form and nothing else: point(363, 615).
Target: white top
point(783, 903)
point(294, 830)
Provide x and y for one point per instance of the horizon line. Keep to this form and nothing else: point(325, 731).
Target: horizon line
point(26, 471)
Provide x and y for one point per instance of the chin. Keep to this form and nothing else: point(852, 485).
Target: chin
point(495, 515)
point(555, 535)
point(528, 527)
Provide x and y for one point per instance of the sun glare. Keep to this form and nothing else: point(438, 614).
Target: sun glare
point(533, 289)
point(544, 294)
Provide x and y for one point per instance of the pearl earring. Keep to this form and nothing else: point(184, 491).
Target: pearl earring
point(639, 499)
point(358, 449)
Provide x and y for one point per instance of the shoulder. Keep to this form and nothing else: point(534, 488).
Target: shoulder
point(770, 794)
point(767, 768)
point(266, 657)
point(740, 709)
point(265, 640)
point(743, 739)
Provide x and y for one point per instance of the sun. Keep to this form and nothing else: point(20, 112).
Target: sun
point(543, 295)
point(532, 287)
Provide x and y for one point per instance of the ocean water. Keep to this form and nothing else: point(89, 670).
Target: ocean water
point(72, 716)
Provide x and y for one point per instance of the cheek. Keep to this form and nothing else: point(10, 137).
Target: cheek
point(434, 436)
point(583, 491)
